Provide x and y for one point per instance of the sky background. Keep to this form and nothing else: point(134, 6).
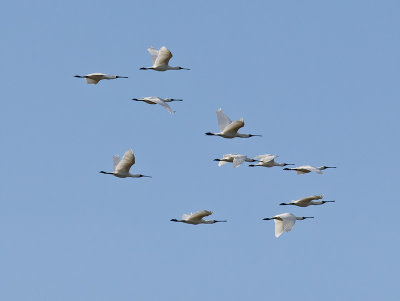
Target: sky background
point(318, 79)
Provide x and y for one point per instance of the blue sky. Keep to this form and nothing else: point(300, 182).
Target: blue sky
point(319, 81)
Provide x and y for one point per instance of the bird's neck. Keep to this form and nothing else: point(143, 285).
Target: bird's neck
point(243, 135)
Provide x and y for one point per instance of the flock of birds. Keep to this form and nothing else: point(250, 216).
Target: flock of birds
point(284, 222)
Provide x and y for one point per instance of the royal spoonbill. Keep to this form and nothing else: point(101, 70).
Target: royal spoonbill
point(196, 218)
point(121, 167)
point(285, 222)
point(228, 128)
point(158, 100)
point(94, 78)
point(268, 160)
point(308, 168)
point(305, 202)
point(236, 159)
point(160, 59)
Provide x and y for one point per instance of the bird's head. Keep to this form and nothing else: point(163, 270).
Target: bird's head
point(285, 164)
point(181, 68)
point(143, 176)
point(325, 167)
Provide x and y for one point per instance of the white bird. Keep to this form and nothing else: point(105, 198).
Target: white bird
point(236, 159)
point(196, 218)
point(158, 100)
point(308, 168)
point(305, 202)
point(268, 160)
point(94, 78)
point(228, 128)
point(285, 222)
point(122, 167)
point(160, 59)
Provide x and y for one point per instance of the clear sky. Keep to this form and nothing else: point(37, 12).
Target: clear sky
point(318, 79)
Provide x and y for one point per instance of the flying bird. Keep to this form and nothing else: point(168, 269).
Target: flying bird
point(268, 160)
point(122, 167)
point(196, 218)
point(285, 222)
point(228, 128)
point(305, 202)
point(236, 159)
point(160, 59)
point(94, 78)
point(158, 100)
point(308, 168)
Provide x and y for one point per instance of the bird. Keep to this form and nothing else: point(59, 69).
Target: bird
point(94, 78)
point(121, 167)
point(305, 202)
point(158, 100)
point(308, 168)
point(160, 59)
point(228, 128)
point(285, 222)
point(268, 160)
point(236, 159)
point(197, 218)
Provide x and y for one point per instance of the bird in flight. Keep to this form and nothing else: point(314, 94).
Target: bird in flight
point(229, 129)
point(235, 159)
point(268, 160)
point(197, 218)
point(94, 78)
point(158, 100)
point(160, 59)
point(305, 202)
point(308, 168)
point(284, 222)
point(122, 167)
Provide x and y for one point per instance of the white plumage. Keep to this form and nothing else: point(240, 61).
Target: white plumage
point(158, 100)
point(235, 159)
point(229, 129)
point(308, 168)
point(94, 78)
point(284, 222)
point(307, 201)
point(160, 59)
point(197, 218)
point(122, 166)
point(268, 160)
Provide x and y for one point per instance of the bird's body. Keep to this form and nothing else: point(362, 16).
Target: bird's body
point(308, 168)
point(268, 160)
point(236, 159)
point(305, 202)
point(158, 100)
point(229, 129)
point(94, 78)
point(160, 59)
point(122, 167)
point(284, 222)
point(197, 218)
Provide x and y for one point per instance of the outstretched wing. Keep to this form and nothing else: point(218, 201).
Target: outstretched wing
point(92, 80)
point(265, 158)
point(199, 215)
point(116, 160)
point(164, 55)
point(307, 200)
point(278, 227)
point(233, 128)
point(159, 101)
point(154, 54)
point(288, 221)
point(238, 159)
point(223, 120)
point(126, 163)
